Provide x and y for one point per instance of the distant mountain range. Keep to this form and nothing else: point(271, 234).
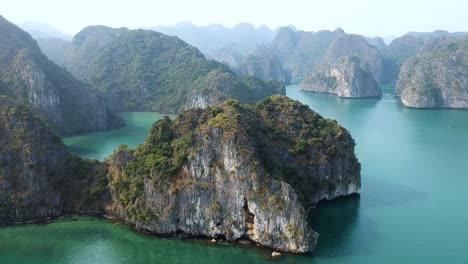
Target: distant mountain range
point(290, 55)
point(40, 30)
point(218, 42)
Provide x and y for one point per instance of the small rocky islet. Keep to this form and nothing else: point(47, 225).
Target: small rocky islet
point(217, 172)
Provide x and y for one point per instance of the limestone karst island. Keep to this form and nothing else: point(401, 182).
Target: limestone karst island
point(233, 132)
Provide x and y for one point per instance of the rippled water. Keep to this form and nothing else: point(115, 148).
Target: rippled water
point(412, 208)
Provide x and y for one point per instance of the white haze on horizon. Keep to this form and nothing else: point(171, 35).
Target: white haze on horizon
point(367, 17)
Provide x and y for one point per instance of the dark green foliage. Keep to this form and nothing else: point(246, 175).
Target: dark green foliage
point(85, 184)
point(301, 146)
point(162, 154)
point(232, 102)
point(142, 70)
point(293, 128)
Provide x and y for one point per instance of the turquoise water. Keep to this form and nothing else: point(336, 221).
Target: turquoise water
point(412, 208)
point(99, 145)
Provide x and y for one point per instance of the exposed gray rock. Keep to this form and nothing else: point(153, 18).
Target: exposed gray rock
point(28, 76)
point(344, 78)
point(264, 65)
point(370, 59)
point(437, 78)
point(226, 188)
point(39, 178)
point(406, 47)
point(350, 68)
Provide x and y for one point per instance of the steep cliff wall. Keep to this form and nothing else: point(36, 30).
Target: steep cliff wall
point(436, 78)
point(236, 172)
point(39, 178)
point(62, 101)
point(344, 77)
point(264, 65)
point(218, 86)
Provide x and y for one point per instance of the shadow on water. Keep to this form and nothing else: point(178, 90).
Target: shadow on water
point(344, 226)
point(337, 222)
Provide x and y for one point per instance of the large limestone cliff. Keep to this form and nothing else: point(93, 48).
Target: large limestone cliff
point(351, 68)
point(344, 78)
point(236, 172)
point(350, 45)
point(62, 101)
point(264, 65)
point(39, 178)
point(437, 77)
point(30, 166)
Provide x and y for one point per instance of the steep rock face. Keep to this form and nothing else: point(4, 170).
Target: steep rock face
point(264, 65)
point(142, 70)
point(344, 78)
point(29, 166)
point(397, 52)
point(350, 68)
point(437, 78)
point(370, 59)
point(301, 51)
point(236, 172)
point(406, 47)
point(64, 102)
point(39, 178)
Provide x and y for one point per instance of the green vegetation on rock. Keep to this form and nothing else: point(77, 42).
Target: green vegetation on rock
point(436, 78)
point(65, 103)
point(142, 70)
point(40, 178)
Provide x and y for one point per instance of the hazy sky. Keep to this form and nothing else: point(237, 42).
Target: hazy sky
point(370, 17)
